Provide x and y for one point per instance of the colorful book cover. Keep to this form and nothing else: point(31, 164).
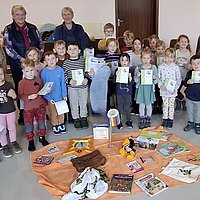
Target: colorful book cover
point(146, 159)
point(147, 143)
point(121, 183)
point(151, 134)
point(43, 160)
point(172, 148)
point(151, 185)
point(170, 85)
point(134, 166)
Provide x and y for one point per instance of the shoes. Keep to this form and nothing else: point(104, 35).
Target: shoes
point(197, 128)
point(43, 141)
point(56, 130)
point(184, 105)
point(31, 145)
point(84, 122)
point(178, 104)
point(142, 122)
point(21, 120)
point(120, 126)
point(148, 122)
point(62, 128)
point(77, 123)
point(189, 126)
point(0, 147)
point(134, 112)
point(7, 151)
point(165, 122)
point(16, 148)
point(129, 124)
point(169, 123)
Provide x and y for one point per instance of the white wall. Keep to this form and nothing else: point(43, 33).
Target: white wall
point(175, 17)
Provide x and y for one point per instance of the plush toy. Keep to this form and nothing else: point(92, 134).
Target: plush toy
point(128, 148)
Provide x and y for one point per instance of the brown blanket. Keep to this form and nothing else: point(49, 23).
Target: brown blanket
point(57, 177)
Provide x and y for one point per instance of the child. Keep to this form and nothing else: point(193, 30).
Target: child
point(7, 116)
point(112, 59)
point(3, 62)
point(60, 51)
point(33, 53)
point(166, 72)
point(128, 40)
point(123, 92)
point(108, 31)
point(183, 54)
point(145, 93)
point(160, 52)
point(153, 39)
point(54, 73)
point(34, 105)
point(192, 93)
point(78, 94)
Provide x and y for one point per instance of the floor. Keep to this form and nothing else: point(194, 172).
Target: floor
point(18, 182)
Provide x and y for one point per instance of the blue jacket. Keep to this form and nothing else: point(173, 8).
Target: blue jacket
point(77, 33)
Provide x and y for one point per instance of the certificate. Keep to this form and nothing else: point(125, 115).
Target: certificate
point(100, 131)
point(78, 76)
point(196, 76)
point(61, 107)
point(122, 75)
point(170, 85)
point(46, 88)
point(146, 77)
point(95, 63)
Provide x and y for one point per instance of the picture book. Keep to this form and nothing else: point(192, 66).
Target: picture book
point(151, 134)
point(172, 148)
point(53, 149)
point(146, 159)
point(122, 75)
point(146, 77)
point(146, 143)
point(121, 183)
point(165, 136)
point(151, 185)
point(66, 157)
point(170, 85)
point(44, 160)
point(134, 166)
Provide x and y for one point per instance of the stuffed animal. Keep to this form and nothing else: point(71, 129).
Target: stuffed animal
point(128, 148)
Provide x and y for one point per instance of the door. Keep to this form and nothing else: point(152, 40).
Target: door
point(139, 16)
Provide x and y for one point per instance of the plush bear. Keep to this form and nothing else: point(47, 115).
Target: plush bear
point(128, 148)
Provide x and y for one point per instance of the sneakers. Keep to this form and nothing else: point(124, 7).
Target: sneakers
point(84, 122)
point(7, 151)
point(31, 145)
point(189, 126)
point(56, 130)
point(129, 124)
point(77, 123)
point(120, 126)
point(135, 112)
point(142, 122)
point(43, 141)
point(16, 148)
point(164, 124)
point(0, 147)
point(170, 123)
point(62, 128)
point(148, 122)
point(197, 128)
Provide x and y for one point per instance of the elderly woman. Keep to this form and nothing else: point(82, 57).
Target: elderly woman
point(69, 31)
point(19, 36)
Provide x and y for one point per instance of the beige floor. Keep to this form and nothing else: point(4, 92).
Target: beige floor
point(17, 181)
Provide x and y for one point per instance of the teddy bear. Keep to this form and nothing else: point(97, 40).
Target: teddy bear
point(128, 148)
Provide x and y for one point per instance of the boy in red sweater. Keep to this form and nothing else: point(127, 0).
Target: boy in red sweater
point(34, 105)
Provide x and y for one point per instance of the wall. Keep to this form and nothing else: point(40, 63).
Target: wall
point(175, 17)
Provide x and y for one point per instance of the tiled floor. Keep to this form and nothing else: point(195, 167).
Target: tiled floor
point(19, 183)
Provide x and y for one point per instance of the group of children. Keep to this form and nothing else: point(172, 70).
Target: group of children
point(168, 71)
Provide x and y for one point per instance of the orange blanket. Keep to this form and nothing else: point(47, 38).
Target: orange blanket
point(57, 177)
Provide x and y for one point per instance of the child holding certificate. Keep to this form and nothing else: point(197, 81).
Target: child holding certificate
point(145, 78)
point(169, 81)
point(192, 92)
point(124, 89)
point(34, 104)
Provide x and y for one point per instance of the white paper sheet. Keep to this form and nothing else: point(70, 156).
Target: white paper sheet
point(61, 107)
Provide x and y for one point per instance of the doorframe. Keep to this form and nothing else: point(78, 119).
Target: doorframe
point(117, 16)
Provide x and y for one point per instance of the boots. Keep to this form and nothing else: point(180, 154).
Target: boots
point(178, 104)
point(197, 128)
point(43, 141)
point(31, 145)
point(142, 122)
point(170, 123)
point(148, 122)
point(164, 124)
point(189, 126)
point(184, 105)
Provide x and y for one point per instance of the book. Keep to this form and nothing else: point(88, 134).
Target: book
point(146, 159)
point(122, 75)
point(66, 157)
point(151, 185)
point(196, 76)
point(163, 136)
point(172, 148)
point(170, 85)
point(61, 107)
point(46, 88)
point(101, 131)
point(146, 77)
point(147, 143)
point(44, 160)
point(121, 183)
point(134, 166)
point(53, 149)
point(78, 76)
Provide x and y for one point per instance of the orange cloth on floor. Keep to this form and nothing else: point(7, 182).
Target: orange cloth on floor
point(57, 177)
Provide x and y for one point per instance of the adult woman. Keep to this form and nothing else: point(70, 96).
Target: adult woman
point(18, 37)
point(70, 31)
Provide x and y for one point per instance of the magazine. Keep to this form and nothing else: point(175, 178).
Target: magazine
point(146, 159)
point(146, 77)
point(147, 143)
point(134, 166)
point(121, 183)
point(172, 148)
point(151, 185)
